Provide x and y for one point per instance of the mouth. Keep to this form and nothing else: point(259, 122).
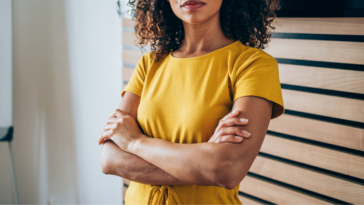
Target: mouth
point(192, 4)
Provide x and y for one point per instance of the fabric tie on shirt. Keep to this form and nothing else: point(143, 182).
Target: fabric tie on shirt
point(165, 195)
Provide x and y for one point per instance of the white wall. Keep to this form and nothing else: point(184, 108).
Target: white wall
point(67, 80)
point(5, 64)
point(5, 100)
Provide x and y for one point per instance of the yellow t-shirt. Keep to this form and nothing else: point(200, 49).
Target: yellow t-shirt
point(182, 101)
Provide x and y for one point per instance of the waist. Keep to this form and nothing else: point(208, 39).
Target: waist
point(139, 193)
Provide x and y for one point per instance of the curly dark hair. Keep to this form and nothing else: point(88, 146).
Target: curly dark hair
point(243, 20)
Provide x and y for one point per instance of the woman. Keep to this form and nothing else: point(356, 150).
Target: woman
point(206, 60)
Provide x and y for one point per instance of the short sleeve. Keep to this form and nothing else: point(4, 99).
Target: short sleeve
point(136, 82)
point(258, 75)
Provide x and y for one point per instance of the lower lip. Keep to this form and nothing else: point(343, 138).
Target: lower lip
point(193, 6)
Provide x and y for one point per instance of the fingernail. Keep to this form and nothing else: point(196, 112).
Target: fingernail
point(246, 133)
point(243, 120)
point(235, 111)
point(238, 138)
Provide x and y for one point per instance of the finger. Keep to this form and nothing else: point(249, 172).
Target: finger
point(231, 139)
point(231, 122)
point(234, 130)
point(120, 113)
point(112, 121)
point(106, 135)
point(109, 126)
point(235, 121)
point(100, 141)
point(234, 113)
point(112, 115)
point(117, 113)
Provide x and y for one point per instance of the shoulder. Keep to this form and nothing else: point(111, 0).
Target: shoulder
point(148, 58)
point(250, 58)
point(251, 54)
point(145, 61)
point(254, 63)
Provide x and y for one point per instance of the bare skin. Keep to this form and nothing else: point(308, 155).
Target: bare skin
point(208, 164)
point(211, 164)
point(115, 161)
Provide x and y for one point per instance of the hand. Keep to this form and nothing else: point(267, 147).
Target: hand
point(227, 131)
point(122, 129)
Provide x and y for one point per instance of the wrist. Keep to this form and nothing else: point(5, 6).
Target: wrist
point(133, 146)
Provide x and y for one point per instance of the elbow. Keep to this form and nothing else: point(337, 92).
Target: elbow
point(106, 164)
point(224, 175)
point(229, 183)
point(105, 167)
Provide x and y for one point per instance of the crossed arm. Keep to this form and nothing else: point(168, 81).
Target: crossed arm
point(155, 161)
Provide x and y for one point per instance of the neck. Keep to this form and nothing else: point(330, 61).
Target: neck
point(206, 36)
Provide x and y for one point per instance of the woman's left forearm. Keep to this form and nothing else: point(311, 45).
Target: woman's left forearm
point(216, 164)
point(208, 164)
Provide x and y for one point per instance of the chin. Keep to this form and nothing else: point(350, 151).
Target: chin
point(194, 20)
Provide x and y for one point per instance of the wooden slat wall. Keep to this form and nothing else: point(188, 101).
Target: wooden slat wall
point(314, 153)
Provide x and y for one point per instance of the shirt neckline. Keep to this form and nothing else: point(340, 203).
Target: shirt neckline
point(205, 55)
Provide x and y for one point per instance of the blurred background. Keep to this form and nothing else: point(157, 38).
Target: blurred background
point(63, 64)
point(66, 81)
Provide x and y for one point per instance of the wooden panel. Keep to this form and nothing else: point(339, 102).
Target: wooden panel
point(321, 131)
point(344, 26)
point(127, 73)
point(274, 193)
point(126, 181)
point(326, 78)
point(131, 56)
point(309, 180)
point(127, 22)
point(129, 38)
point(124, 191)
point(247, 201)
point(326, 105)
point(333, 160)
point(315, 50)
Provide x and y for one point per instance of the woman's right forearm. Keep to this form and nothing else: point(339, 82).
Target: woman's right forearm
point(117, 162)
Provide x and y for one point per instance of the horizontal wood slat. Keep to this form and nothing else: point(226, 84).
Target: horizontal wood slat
point(310, 180)
point(123, 86)
point(325, 78)
point(317, 50)
point(124, 191)
point(343, 26)
point(131, 56)
point(127, 73)
point(127, 22)
point(325, 158)
point(126, 181)
point(128, 39)
point(321, 131)
point(326, 105)
point(274, 193)
point(247, 201)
